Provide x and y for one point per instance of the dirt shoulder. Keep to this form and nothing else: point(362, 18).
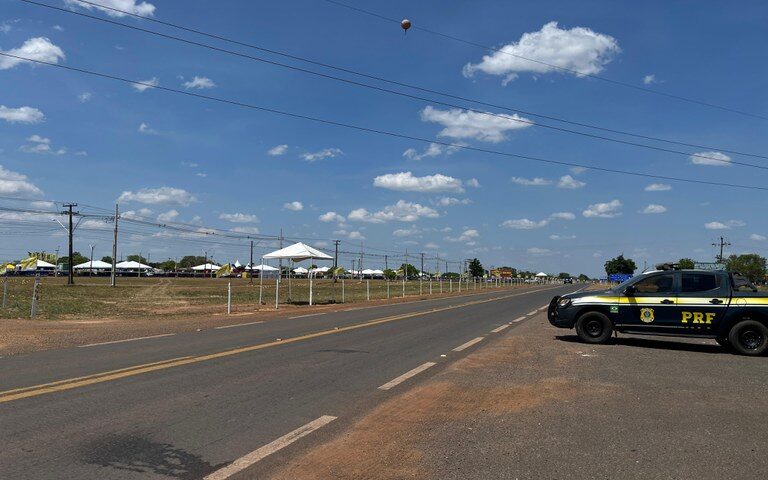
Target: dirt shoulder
point(533, 403)
point(23, 336)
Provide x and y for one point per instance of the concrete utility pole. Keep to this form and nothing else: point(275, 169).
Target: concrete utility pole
point(113, 275)
point(336, 259)
point(360, 265)
point(722, 244)
point(250, 274)
point(90, 274)
point(71, 276)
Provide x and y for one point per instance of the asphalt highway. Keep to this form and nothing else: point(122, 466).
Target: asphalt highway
point(218, 402)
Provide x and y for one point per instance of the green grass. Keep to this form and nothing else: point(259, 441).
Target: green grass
point(134, 297)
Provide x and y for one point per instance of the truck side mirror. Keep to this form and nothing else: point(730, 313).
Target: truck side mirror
point(630, 291)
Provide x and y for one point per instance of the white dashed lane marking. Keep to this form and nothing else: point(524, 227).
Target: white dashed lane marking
point(468, 344)
point(500, 328)
point(406, 376)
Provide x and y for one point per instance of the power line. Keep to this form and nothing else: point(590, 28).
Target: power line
point(388, 133)
point(414, 97)
point(564, 69)
point(385, 132)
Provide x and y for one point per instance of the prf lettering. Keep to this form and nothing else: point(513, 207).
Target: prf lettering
point(698, 317)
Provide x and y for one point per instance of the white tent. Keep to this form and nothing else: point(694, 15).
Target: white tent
point(206, 267)
point(296, 253)
point(131, 265)
point(42, 265)
point(320, 270)
point(261, 267)
point(541, 275)
point(300, 271)
point(237, 264)
point(95, 265)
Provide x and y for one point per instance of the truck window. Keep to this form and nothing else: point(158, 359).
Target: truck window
point(699, 282)
point(658, 284)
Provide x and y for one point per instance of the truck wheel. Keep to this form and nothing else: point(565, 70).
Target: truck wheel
point(749, 337)
point(594, 327)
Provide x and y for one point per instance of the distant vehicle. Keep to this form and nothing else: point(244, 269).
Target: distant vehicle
point(567, 280)
point(721, 305)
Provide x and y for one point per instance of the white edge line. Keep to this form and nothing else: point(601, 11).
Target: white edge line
point(126, 340)
point(518, 319)
point(259, 454)
point(533, 312)
point(407, 375)
point(468, 344)
point(238, 325)
point(307, 315)
point(498, 329)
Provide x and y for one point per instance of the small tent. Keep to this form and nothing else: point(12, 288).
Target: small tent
point(296, 253)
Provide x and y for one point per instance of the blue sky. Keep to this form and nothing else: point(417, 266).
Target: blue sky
point(65, 136)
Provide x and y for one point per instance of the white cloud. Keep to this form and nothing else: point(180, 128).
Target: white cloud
point(322, 154)
point(531, 182)
point(135, 7)
point(16, 183)
point(137, 214)
point(654, 208)
point(199, 83)
point(146, 84)
point(145, 129)
point(526, 224)
point(539, 251)
point(562, 237)
point(650, 79)
point(758, 237)
point(468, 236)
point(239, 217)
point(84, 97)
point(577, 170)
point(473, 182)
point(567, 181)
point(21, 114)
point(5, 27)
point(658, 187)
point(41, 145)
point(407, 182)
point(432, 150)
point(168, 216)
point(295, 206)
point(450, 201)
point(246, 230)
point(201, 174)
point(713, 159)
point(355, 236)
point(161, 195)
point(406, 232)
point(332, 217)
point(278, 150)
point(724, 226)
point(603, 210)
point(38, 48)
point(402, 211)
point(432, 246)
point(467, 124)
point(579, 49)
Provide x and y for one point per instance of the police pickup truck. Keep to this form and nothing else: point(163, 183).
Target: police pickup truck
point(716, 304)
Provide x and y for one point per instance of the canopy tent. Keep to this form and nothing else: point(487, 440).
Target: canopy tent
point(541, 275)
point(236, 264)
point(261, 267)
point(32, 264)
point(131, 265)
point(206, 267)
point(296, 253)
point(95, 265)
point(300, 271)
point(320, 270)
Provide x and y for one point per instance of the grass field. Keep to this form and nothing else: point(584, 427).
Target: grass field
point(93, 297)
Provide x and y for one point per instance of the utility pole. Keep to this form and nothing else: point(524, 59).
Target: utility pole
point(722, 244)
point(336, 261)
point(91, 269)
point(250, 274)
point(280, 262)
point(386, 262)
point(360, 265)
point(113, 279)
point(71, 276)
point(56, 270)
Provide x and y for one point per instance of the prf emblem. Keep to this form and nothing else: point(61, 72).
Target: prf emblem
point(646, 315)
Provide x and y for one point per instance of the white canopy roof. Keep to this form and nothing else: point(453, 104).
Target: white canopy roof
point(541, 274)
point(96, 264)
point(368, 271)
point(378, 272)
point(266, 268)
point(43, 264)
point(320, 270)
point(298, 252)
point(237, 264)
point(300, 270)
point(130, 265)
point(207, 266)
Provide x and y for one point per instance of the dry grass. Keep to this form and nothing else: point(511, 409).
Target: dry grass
point(134, 297)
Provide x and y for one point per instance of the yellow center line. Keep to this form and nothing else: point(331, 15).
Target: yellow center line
point(79, 382)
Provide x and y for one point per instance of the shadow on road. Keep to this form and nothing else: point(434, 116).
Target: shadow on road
point(655, 343)
point(141, 455)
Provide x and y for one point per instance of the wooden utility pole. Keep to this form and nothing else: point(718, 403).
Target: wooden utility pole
point(70, 276)
point(113, 276)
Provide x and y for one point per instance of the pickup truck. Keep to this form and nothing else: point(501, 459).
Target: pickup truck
point(718, 304)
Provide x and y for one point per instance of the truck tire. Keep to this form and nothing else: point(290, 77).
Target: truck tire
point(594, 327)
point(749, 337)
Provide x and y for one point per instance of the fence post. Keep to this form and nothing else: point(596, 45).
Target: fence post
point(277, 290)
point(342, 290)
point(35, 295)
point(430, 286)
point(459, 284)
point(387, 289)
point(368, 290)
point(5, 291)
point(421, 284)
point(440, 281)
point(450, 285)
point(229, 298)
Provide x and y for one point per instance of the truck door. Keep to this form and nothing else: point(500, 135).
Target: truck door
point(702, 302)
point(649, 303)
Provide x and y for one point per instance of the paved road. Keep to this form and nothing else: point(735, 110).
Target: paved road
point(188, 405)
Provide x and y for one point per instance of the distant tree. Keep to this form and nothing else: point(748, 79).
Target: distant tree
point(563, 275)
point(751, 265)
point(452, 275)
point(583, 278)
point(106, 259)
point(686, 263)
point(167, 266)
point(390, 274)
point(77, 259)
point(190, 261)
point(137, 258)
point(620, 265)
point(476, 268)
point(409, 270)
